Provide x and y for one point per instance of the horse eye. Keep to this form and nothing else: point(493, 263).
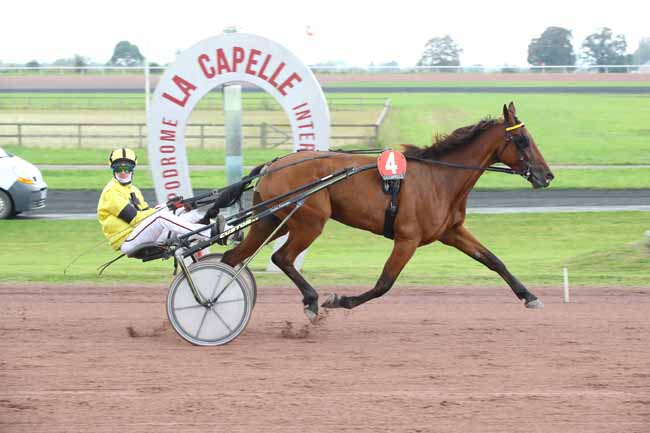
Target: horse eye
point(521, 141)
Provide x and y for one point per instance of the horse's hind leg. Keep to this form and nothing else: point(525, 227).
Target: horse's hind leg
point(462, 239)
point(299, 239)
point(402, 252)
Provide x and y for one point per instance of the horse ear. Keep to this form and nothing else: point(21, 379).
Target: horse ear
point(512, 109)
point(506, 114)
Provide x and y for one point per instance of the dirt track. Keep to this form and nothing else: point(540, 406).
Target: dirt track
point(126, 82)
point(103, 359)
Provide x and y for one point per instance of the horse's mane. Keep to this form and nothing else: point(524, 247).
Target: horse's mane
point(445, 143)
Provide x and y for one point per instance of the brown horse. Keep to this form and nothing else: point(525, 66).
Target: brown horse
point(432, 203)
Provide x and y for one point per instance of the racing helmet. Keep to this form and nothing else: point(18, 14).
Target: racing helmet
point(123, 162)
point(124, 155)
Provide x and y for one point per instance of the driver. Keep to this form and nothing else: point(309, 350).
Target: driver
point(128, 221)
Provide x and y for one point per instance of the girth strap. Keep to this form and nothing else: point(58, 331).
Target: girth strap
point(392, 188)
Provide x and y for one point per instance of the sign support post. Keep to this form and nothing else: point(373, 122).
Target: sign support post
point(213, 62)
point(232, 108)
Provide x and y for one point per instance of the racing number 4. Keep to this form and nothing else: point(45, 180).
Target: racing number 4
point(390, 163)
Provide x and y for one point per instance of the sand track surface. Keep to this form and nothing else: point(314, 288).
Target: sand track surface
point(53, 82)
point(104, 359)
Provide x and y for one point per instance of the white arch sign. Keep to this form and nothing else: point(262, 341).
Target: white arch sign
point(230, 57)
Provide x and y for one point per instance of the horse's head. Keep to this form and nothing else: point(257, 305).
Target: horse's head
point(520, 152)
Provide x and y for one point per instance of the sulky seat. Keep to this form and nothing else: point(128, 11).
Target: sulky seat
point(150, 251)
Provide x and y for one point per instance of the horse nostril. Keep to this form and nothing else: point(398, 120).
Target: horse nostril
point(549, 176)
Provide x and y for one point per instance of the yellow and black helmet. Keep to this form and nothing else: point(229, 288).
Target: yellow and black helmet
point(122, 155)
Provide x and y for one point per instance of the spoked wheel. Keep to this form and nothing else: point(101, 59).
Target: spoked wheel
point(222, 311)
point(246, 273)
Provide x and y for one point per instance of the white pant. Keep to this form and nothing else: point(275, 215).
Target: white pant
point(158, 226)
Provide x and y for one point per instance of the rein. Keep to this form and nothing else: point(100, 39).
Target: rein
point(521, 142)
point(505, 170)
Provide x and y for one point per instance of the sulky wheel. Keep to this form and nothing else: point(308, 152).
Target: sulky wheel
point(246, 273)
point(224, 310)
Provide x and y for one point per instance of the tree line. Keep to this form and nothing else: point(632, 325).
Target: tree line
point(552, 48)
point(124, 54)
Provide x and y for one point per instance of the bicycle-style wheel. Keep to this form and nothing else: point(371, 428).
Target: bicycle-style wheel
point(246, 273)
point(223, 311)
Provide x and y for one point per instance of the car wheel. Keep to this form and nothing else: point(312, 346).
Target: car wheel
point(6, 206)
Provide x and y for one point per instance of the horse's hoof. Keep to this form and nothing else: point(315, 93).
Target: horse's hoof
point(332, 301)
point(311, 315)
point(535, 304)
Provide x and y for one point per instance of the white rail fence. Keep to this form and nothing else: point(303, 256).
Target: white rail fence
point(105, 70)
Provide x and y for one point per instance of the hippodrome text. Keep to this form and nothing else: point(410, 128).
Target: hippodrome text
point(252, 62)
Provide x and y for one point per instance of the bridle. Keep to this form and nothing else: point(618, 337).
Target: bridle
point(521, 143)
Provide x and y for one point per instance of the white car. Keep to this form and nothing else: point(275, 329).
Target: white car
point(22, 187)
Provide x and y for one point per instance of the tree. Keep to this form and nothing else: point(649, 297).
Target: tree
point(80, 62)
point(32, 64)
point(553, 47)
point(603, 48)
point(155, 68)
point(440, 52)
point(126, 54)
point(63, 62)
point(387, 67)
point(642, 54)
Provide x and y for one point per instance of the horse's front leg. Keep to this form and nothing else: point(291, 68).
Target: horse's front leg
point(463, 240)
point(402, 252)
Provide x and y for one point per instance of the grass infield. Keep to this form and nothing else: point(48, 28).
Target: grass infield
point(598, 248)
point(569, 129)
point(637, 178)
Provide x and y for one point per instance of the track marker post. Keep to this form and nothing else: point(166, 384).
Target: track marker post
point(566, 285)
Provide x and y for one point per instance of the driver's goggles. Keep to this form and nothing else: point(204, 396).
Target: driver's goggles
point(123, 168)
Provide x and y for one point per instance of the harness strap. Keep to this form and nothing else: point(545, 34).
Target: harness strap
point(234, 219)
point(392, 188)
point(505, 170)
point(463, 167)
point(435, 161)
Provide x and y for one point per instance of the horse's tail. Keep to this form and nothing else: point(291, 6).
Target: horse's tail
point(256, 171)
point(229, 195)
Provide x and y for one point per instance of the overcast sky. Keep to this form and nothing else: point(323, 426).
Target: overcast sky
point(491, 32)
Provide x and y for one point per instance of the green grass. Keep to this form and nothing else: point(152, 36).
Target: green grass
point(96, 180)
point(630, 178)
point(54, 156)
point(569, 129)
point(106, 127)
point(638, 178)
point(599, 248)
point(565, 179)
point(213, 102)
